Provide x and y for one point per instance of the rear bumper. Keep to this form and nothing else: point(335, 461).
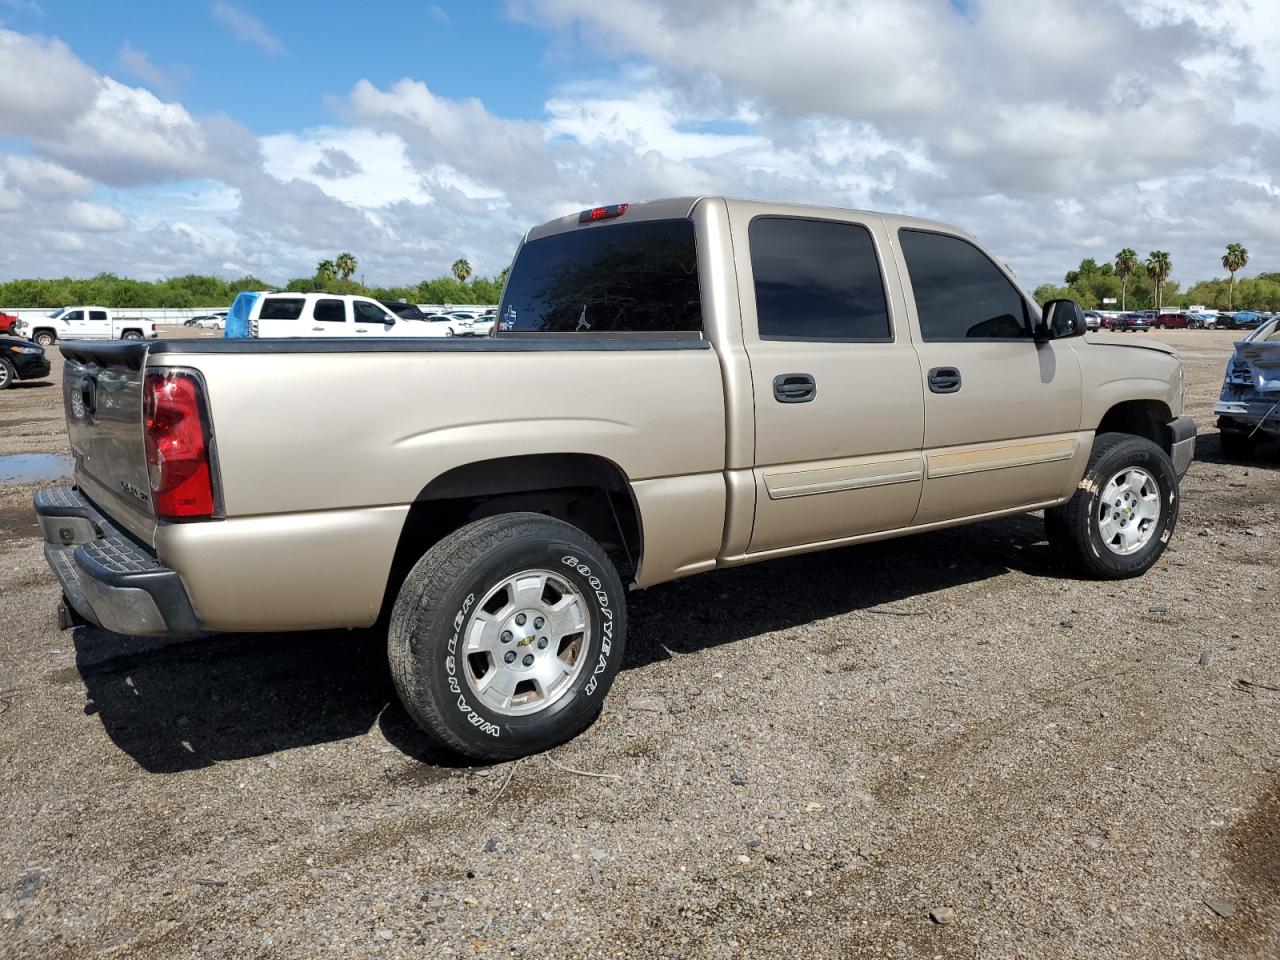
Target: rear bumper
point(107, 577)
point(1263, 415)
point(1183, 448)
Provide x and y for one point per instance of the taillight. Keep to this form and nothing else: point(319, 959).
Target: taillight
point(153, 328)
point(174, 424)
point(603, 213)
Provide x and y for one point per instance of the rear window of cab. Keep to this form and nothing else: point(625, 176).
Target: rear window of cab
point(623, 279)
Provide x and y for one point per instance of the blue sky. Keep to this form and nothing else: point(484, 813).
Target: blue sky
point(257, 136)
point(460, 49)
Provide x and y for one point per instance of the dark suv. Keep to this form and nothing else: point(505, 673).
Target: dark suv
point(1127, 322)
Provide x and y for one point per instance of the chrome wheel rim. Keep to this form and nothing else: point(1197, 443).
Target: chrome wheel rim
point(1129, 511)
point(526, 643)
point(4, 375)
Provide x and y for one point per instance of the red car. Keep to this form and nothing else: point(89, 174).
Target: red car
point(1176, 321)
point(6, 324)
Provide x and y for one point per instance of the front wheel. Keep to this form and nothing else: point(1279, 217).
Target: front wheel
point(507, 635)
point(1122, 515)
point(45, 338)
point(8, 375)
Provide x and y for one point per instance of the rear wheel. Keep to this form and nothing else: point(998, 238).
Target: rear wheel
point(8, 376)
point(131, 335)
point(1123, 513)
point(507, 635)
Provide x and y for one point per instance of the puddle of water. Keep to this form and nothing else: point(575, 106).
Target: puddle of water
point(19, 468)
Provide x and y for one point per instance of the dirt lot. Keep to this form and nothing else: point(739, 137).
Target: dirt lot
point(801, 758)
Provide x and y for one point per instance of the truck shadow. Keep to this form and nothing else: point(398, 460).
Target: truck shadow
point(175, 705)
point(1266, 455)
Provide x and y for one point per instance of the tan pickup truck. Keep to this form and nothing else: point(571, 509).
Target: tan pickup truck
point(673, 387)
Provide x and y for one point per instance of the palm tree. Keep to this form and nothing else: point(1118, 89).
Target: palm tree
point(1126, 266)
point(326, 272)
point(1236, 258)
point(1159, 266)
point(346, 265)
point(461, 269)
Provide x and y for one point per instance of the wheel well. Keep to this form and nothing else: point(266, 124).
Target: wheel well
point(1142, 418)
point(590, 492)
point(39, 330)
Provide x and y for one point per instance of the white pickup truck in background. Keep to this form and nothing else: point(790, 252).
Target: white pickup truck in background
point(84, 323)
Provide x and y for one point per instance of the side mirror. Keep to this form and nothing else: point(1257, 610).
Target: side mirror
point(1061, 319)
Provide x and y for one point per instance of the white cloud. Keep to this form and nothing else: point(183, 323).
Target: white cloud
point(246, 27)
point(95, 216)
point(43, 85)
point(42, 178)
point(375, 171)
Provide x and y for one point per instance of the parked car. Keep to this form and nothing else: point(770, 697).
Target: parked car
point(1176, 321)
point(668, 395)
point(1128, 322)
point(327, 315)
point(21, 360)
point(1248, 319)
point(7, 323)
point(208, 321)
point(85, 323)
point(1092, 320)
point(1225, 320)
point(482, 326)
point(447, 325)
point(1248, 409)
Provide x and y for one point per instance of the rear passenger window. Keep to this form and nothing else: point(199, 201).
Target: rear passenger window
point(960, 294)
point(281, 308)
point(817, 280)
point(329, 311)
point(97, 314)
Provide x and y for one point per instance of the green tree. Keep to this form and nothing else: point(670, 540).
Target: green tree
point(326, 272)
point(1159, 266)
point(1234, 259)
point(461, 269)
point(346, 265)
point(1126, 266)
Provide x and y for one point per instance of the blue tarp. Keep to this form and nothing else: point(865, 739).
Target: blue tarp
point(238, 315)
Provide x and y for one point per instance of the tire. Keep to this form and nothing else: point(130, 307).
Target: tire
point(448, 332)
point(46, 338)
point(466, 580)
point(131, 335)
point(1236, 445)
point(8, 375)
point(1076, 528)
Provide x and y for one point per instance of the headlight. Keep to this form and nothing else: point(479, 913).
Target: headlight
point(16, 349)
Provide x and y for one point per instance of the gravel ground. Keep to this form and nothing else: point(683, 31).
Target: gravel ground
point(802, 758)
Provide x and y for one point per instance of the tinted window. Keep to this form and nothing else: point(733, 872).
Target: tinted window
point(74, 315)
point(620, 278)
point(960, 294)
point(281, 308)
point(97, 314)
point(367, 312)
point(816, 280)
point(329, 311)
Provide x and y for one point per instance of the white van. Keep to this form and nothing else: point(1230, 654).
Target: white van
point(331, 315)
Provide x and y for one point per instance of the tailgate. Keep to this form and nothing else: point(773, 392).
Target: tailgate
point(102, 401)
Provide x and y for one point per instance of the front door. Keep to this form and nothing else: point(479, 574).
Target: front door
point(1002, 412)
point(839, 412)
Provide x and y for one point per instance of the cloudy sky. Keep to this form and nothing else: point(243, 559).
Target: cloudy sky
point(259, 137)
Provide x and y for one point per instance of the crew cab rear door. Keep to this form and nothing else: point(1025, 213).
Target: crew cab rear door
point(836, 385)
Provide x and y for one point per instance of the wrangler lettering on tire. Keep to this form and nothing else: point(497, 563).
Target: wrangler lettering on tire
point(507, 635)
